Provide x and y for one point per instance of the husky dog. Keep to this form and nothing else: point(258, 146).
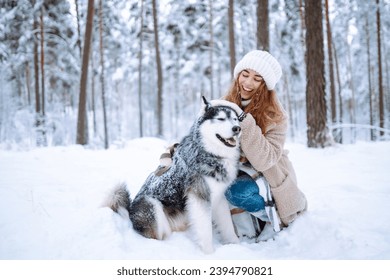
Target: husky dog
point(191, 192)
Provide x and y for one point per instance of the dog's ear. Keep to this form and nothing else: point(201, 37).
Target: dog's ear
point(206, 103)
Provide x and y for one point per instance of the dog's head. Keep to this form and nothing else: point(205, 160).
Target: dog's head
point(219, 126)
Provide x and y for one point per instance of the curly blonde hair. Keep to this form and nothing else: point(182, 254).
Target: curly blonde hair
point(264, 106)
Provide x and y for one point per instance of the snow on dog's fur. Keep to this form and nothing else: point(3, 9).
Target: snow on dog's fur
point(191, 192)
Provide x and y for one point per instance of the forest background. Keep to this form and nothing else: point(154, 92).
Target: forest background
point(99, 73)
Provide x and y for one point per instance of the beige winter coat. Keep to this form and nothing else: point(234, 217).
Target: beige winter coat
point(266, 154)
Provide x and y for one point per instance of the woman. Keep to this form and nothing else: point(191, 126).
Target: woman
point(264, 130)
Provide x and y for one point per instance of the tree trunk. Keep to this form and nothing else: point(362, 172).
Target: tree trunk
point(82, 123)
point(211, 49)
point(140, 54)
point(27, 68)
point(43, 99)
point(387, 83)
point(370, 92)
point(102, 81)
point(289, 107)
point(159, 73)
point(76, 2)
point(232, 48)
point(331, 73)
point(42, 62)
point(340, 134)
point(351, 102)
point(262, 25)
point(317, 131)
point(36, 78)
point(380, 77)
point(93, 94)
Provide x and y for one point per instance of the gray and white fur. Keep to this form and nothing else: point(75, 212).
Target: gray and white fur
point(191, 192)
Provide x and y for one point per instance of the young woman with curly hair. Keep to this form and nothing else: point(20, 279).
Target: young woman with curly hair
point(264, 130)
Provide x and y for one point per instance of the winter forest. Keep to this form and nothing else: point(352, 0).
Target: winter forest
point(100, 72)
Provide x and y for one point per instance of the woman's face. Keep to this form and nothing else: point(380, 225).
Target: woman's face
point(249, 81)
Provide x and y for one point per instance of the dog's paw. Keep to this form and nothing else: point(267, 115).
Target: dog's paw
point(229, 237)
point(232, 240)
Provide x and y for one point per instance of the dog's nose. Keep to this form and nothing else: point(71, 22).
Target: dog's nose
point(236, 129)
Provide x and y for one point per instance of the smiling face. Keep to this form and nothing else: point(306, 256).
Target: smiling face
point(249, 81)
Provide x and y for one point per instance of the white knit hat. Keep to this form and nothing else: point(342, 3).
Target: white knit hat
point(264, 64)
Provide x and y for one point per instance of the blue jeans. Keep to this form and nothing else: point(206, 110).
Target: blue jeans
point(244, 193)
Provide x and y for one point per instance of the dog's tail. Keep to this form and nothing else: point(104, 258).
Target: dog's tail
point(119, 200)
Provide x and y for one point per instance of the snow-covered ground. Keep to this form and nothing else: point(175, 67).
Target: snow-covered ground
point(50, 206)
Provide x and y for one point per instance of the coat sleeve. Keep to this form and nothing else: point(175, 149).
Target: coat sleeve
point(262, 151)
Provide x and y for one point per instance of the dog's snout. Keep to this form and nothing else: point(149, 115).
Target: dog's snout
point(236, 129)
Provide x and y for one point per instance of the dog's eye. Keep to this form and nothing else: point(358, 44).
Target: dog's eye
point(221, 119)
